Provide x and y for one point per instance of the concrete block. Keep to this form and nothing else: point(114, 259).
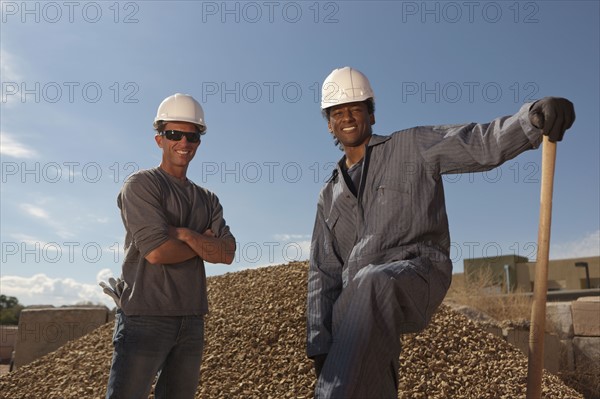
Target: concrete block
point(8, 337)
point(567, 355)
point(589, 347)
point(587, 363)
point(519, 338)
point(586, 316)
point(497, 331)
point(559, 319)
point(111, 315)
point(552, 353)
point(42, 331)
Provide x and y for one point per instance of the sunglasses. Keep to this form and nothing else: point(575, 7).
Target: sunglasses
point(176, 135)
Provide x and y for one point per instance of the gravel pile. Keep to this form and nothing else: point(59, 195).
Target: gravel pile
point(255, 336)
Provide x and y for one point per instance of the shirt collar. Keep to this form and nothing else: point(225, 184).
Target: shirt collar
point(377, 139)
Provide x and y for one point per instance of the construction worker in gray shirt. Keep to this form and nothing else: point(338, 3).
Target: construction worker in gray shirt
point(172, 227)
point(379, 262)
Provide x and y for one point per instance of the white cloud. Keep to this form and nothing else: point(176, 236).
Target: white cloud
point(104, 275)
point(26, 239)
point(291, 248)
point(35, 211)
point(8, 67)
point(290, 237)
point(287, 248)
point(11, 147)
point(294, 247)
point(40, 213)
point(22, 247)
point(41, 289)
point(11, 79)
point(303, 250)
point(589, 245)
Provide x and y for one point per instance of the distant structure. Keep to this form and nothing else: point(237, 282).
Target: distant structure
point(512, 273)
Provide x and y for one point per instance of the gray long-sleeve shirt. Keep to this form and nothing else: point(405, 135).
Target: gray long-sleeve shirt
point(399, 212)
point(151, 201)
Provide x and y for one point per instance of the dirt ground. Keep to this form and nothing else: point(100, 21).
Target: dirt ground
point(255, 348)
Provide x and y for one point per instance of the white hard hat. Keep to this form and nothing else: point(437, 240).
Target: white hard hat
point(345, 85)
point(181, 108)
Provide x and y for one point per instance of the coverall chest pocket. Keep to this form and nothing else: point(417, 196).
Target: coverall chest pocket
point(330, 243)
point(342, 233)
point(332, 219)
point(392, 209)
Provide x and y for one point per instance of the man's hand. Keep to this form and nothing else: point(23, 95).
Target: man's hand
point(177, 232)
point(114, 290)
point(319, 361)
point(553, 115)
point(209, 233)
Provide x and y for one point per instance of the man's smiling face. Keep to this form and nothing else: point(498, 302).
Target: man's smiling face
point(351, 123)
point(177, 154)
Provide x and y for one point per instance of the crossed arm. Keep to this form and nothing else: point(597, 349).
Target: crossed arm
point(184, 244)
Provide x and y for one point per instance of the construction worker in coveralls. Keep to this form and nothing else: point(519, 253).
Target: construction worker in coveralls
point(379, 262)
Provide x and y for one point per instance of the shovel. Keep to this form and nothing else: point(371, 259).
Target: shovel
point(540, 288)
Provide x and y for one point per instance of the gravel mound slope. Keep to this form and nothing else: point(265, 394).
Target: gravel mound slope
point(255, 337)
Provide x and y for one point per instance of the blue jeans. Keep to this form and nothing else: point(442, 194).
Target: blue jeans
point(145, 346)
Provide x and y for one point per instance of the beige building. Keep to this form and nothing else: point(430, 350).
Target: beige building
point(512, 273)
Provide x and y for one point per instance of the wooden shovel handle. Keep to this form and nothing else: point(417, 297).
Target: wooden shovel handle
point(540, 288)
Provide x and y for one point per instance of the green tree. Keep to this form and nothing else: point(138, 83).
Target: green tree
point(10, 309)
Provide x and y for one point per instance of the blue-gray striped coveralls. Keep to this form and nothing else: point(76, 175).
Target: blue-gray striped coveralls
point(379, 263)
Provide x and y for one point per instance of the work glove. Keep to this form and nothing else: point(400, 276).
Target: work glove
point(319, 361)
point(553, 115)
point(114, 290)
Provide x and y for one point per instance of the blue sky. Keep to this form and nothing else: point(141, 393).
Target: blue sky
point(81, 82)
